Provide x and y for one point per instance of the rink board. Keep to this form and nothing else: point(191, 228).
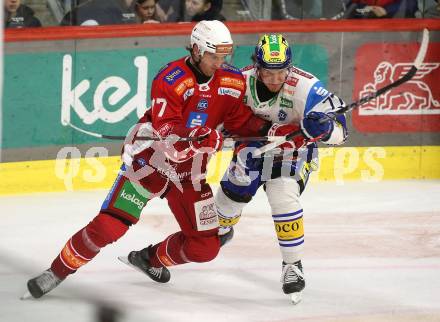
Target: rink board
point(367, 164)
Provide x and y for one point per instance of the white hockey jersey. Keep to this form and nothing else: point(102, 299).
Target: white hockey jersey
point(301, 93)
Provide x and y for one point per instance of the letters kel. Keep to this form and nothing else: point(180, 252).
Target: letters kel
point(71, 97)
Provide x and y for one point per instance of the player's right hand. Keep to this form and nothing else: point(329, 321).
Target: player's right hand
point(295, 142)
point(210, 140)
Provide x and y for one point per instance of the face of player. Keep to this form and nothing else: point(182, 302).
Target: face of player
point(146, 9)
point(210, 62)
point(273, 78)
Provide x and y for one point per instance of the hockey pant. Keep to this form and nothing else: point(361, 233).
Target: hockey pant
point(196, 215)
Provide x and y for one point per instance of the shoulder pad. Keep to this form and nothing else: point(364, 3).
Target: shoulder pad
point(230, 68)
point(301, 73)
point(161, 70)
point(246, 68)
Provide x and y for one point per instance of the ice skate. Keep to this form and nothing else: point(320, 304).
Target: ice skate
point(140, 260)
point(225, 235)
point(293, 281)
point(42, 284)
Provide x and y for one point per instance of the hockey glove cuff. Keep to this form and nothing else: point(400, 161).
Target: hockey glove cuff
point(135, 146)
point(295, 142)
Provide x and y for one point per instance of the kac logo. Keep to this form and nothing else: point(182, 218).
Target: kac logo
point(202, 105)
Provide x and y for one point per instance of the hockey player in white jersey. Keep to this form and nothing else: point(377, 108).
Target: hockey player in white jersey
point(294, 101)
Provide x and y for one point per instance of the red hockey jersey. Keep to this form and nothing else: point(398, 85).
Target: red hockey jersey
point(179, 104)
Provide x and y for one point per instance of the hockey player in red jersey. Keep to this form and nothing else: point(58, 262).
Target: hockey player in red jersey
point(191, 98)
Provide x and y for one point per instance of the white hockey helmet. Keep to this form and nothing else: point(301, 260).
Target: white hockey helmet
point(212, 36)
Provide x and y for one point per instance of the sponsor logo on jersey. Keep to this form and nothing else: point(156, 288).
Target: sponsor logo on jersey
point(202, 105)
point(288, 92)
point(196, 119)
point(292, 81)
point(229, 91)
point(284, 102)
point(184, 85)
point(174, 75)
point(413, 106)
point(232, 82)
point(282, 115)
point(300, 72)
point(189, 92)
point(321, 91)
point(203, 87)
point(274, 53)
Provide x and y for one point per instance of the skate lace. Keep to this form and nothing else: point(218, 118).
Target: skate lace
point(291, 274)
point(156, 271)
point(47, 281)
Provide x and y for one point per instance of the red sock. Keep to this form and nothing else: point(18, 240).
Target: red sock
point(169, 252)
point(86, 244)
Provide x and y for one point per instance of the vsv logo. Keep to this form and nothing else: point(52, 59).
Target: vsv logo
point(132, 198)
point(71, 96)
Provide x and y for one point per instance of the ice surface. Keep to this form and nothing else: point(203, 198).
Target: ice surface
point(372, 253)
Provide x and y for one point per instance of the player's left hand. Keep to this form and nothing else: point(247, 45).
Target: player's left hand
point(210, 140)
point(134, 146)
point(317, 126)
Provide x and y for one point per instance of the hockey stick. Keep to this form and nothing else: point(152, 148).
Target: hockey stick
point(410, 74)
point(175, 139)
